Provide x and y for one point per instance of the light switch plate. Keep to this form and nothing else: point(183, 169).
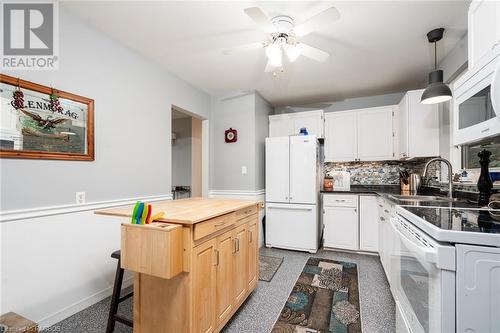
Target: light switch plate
point(243, 170)
point(80, 198)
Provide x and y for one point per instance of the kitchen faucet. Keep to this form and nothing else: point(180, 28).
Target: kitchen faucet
point(450, 175)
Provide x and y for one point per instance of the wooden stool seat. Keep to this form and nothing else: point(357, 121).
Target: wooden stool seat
point(113, 317)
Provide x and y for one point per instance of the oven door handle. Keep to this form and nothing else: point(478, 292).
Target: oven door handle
point(422, 252)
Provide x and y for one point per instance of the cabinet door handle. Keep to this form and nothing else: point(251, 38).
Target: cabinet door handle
point(385, 210)
point(380, 206)
point(355, 210)
point(382, 218)
point(216, 257)
point(250, 236)
point(234, 245)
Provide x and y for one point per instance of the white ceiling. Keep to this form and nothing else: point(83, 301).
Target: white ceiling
point(376, 47)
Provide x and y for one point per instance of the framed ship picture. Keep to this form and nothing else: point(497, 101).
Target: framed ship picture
point(40, 122)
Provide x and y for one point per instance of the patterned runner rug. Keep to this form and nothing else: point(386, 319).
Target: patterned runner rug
point(268, 266)
point(325, 299)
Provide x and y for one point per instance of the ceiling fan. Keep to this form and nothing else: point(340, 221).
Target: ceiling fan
point(284, 36)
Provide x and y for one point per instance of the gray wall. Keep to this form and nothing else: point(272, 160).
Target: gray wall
point(262, 111)
point(181, 152)
point(233, 112)
point(247, 113)
point(133, 100)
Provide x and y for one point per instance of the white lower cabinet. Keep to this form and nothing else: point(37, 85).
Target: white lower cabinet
point(340, 218)
point(368, 223)
point(478, 288)
point(351, 222)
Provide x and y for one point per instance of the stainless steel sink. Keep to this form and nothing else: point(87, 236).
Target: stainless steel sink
point(421, 198)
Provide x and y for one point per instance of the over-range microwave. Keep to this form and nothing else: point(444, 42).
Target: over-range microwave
point(474, 117)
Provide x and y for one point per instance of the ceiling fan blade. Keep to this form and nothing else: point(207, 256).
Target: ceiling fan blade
point(246, 47)
point(312, 52)
point(261, 19)
point(314, 23)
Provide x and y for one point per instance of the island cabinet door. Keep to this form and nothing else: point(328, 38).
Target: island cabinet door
point(204, 287)
point(224, 260)
point(253, 246)
point(240, 263)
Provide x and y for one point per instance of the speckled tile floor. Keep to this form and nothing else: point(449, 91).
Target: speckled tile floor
point(263, 307)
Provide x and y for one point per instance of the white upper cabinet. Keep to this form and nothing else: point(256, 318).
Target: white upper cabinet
point(360, 135)
point(291, 123)
point(341, 137)
point(484, 30)
point(418, 127)
point(280, 125)
point(375, 134)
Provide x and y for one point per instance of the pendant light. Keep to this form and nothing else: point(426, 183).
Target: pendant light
point(436, 91)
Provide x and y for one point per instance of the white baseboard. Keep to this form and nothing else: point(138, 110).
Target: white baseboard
point(80, 305)
point(22, 214)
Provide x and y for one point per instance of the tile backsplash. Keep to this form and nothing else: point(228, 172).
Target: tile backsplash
point(380, 172)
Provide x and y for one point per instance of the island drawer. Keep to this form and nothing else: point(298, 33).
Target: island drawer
point(208, 227)
point(155, 249)
point(242, 213)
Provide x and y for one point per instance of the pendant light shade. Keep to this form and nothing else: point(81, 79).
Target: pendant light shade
point(436, 91)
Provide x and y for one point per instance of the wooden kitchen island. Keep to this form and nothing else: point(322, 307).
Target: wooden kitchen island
point(194, 267)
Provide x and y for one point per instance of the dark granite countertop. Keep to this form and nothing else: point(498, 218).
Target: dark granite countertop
point(387, 191)
point(369, 189)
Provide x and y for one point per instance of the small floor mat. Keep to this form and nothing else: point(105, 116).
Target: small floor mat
point(268, 266)
point(325, 298)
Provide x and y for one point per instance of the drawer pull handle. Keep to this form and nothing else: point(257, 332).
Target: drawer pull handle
point(340, 200)
point(385, 210)
point(219, 224)
point(380, 206)
point(485, 130)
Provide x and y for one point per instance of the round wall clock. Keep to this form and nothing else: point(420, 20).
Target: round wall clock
point(231, 135)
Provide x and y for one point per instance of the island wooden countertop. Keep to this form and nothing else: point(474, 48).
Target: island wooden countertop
point(186, 211)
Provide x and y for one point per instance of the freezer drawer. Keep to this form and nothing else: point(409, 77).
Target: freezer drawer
point(292, 227)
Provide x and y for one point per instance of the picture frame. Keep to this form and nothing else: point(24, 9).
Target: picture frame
point(51, 124)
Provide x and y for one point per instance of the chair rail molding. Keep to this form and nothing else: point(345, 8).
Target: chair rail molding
point(237, 194)
point(29, 213)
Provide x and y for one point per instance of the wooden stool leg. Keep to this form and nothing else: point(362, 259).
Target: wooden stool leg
point(113, 309)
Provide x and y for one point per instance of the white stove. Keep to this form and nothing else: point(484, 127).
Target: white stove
point(445, 270)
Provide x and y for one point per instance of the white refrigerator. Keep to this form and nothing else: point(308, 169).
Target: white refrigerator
point(292, 192)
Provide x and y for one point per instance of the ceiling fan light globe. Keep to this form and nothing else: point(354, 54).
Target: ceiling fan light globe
point(276, 61)
point(292, 52)
point(273, 51)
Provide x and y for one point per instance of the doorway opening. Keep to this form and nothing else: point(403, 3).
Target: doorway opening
point(187, 154)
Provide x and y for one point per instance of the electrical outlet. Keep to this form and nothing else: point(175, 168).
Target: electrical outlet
point(80, 198)
point(243, 170)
